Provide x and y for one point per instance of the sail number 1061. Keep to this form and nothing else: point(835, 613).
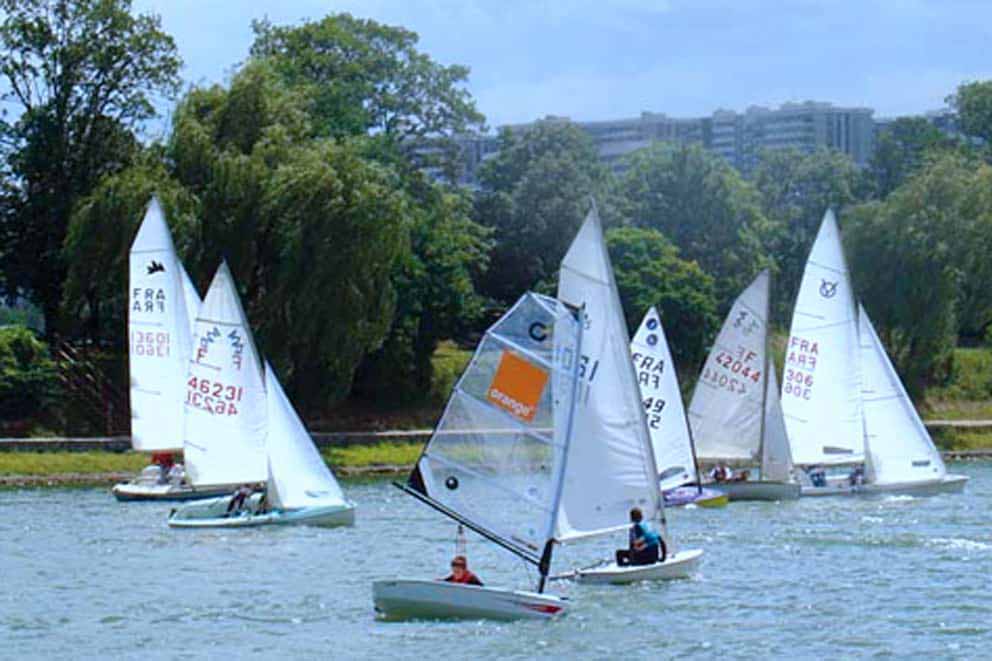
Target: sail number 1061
point(212, 396)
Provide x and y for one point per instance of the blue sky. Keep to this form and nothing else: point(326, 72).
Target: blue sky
point(605, 59)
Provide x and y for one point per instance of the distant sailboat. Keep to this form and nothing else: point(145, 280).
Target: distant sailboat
point(843, 402)
point(671, 437)
point(162, 303)
point(735, 412)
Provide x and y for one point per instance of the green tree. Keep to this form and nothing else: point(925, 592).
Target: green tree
point(535, 193)
point(703, 206)
point(973, 103)
point(650, 272)
point(80, 76)
point(28, 378)
point(900, 150)
point(795, 190)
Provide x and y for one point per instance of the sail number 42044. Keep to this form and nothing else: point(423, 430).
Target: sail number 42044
point(213, 396)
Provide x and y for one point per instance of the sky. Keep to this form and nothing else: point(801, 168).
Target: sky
point(607, 59)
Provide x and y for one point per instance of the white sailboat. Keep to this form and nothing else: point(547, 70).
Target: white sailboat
point(612, 461)
point(671, 438)
point(496, 462)
point(300, 490)
point(162, 303)
point(735, 412)
point(901, 456)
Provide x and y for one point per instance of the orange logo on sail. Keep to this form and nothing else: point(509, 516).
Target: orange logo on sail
point(517, 386)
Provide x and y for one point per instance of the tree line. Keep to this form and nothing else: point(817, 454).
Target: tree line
point(306, 170)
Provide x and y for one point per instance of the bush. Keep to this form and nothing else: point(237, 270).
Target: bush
point(28, 377)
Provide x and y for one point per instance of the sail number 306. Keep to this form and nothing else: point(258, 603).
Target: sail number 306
point(212, 396)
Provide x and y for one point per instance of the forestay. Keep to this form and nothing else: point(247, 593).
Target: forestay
point(821, 385)
point(776, 456)
point(726, 408)
point(161, 303)
point(899, 447)
point(495, 458)
point(298, 477)
point(662, 400)
point(225, 394)
point(611, 464)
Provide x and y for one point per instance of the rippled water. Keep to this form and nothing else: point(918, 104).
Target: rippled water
point(83, 576)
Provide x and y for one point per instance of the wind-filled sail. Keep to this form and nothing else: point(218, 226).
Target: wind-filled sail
point(726, 408)
point(662, 399)
point(225, 401)
point(899, 447)
point(298, 477)
point(159, 335)
point(611, 465)
point(192, 299)
point(495, 458)
point(821, 383)
point(776, 456)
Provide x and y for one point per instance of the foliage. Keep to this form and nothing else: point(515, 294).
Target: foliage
point(380, 454)
point(80, 75)
point(973, 103)
point(703, 206)
point(901, 149)
point(28, 378)
point(649, 273)
point(796, 189)
point(535, 193)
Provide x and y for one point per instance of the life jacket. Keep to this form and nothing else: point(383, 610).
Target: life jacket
point(467, 578)
point(647, 533)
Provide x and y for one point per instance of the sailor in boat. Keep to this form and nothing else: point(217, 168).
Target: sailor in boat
point(176, 474)
point(238, 499)
point(857, 476)
point(722, 473)
point(460, 572)
point(646, 547)
point(818, 476)
point(165, 464)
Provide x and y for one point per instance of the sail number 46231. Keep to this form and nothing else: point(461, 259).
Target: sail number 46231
point(212, 396)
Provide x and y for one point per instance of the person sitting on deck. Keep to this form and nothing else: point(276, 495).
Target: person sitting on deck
point(645, 543)
point(238, 498)
point(460, 572)
point(720, 473)
point(857, 476)
point(164, 462)
point(176, 474)
point(818, 476)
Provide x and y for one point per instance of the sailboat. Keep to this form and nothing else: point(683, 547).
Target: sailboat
point(840, 394)
point(612, 464)
point(162, 302)
point(496, 461)
point(671, 437)
point(735, 412)
point(300, 488)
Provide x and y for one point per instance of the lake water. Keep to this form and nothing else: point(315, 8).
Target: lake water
point(82, 576)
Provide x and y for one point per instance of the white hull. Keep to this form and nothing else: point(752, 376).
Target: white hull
point(128, 491)
point(678, 565)
point(422, 599)
point(213, 514)
point(950, 484)
point(758, 490)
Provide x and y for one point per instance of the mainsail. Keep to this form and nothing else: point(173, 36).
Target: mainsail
point(496, 458)
point(727, 405)
point(821, 383)
point(225, 398)
point(611, 464)
point(161, 302)
point(662, 399)
point(898, 445)
point(776, 455)
point(298, 477)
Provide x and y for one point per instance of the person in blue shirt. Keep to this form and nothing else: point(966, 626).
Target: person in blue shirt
point(645, 543)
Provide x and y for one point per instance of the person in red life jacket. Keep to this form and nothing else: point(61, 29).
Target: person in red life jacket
point(164, 461)
point(460, 573)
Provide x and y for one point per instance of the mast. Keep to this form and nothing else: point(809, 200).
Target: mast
point(692, 446)
point(764, 373)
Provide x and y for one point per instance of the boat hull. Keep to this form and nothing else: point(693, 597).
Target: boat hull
point(134, 491)
point(678, 565)
point(430, 600)
point(689, 495)
point(212, 514)
point(758, 490)
point(950, 484)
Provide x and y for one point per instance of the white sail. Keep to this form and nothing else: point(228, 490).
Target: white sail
point(726, 408)
point(776, 456)
point(611, 465)
point(159, 335)
point(298, 477)
point(899, 447)
point(193, 301)
point(225, 400)
point(821, 384)
point(495, 458)
point(662, 400)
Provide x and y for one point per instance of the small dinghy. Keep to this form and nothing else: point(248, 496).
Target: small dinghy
point(735, 413)
point(250, 414)
point(162, 303)
point(496, 461)
point(678, 565)
point(671, 436)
